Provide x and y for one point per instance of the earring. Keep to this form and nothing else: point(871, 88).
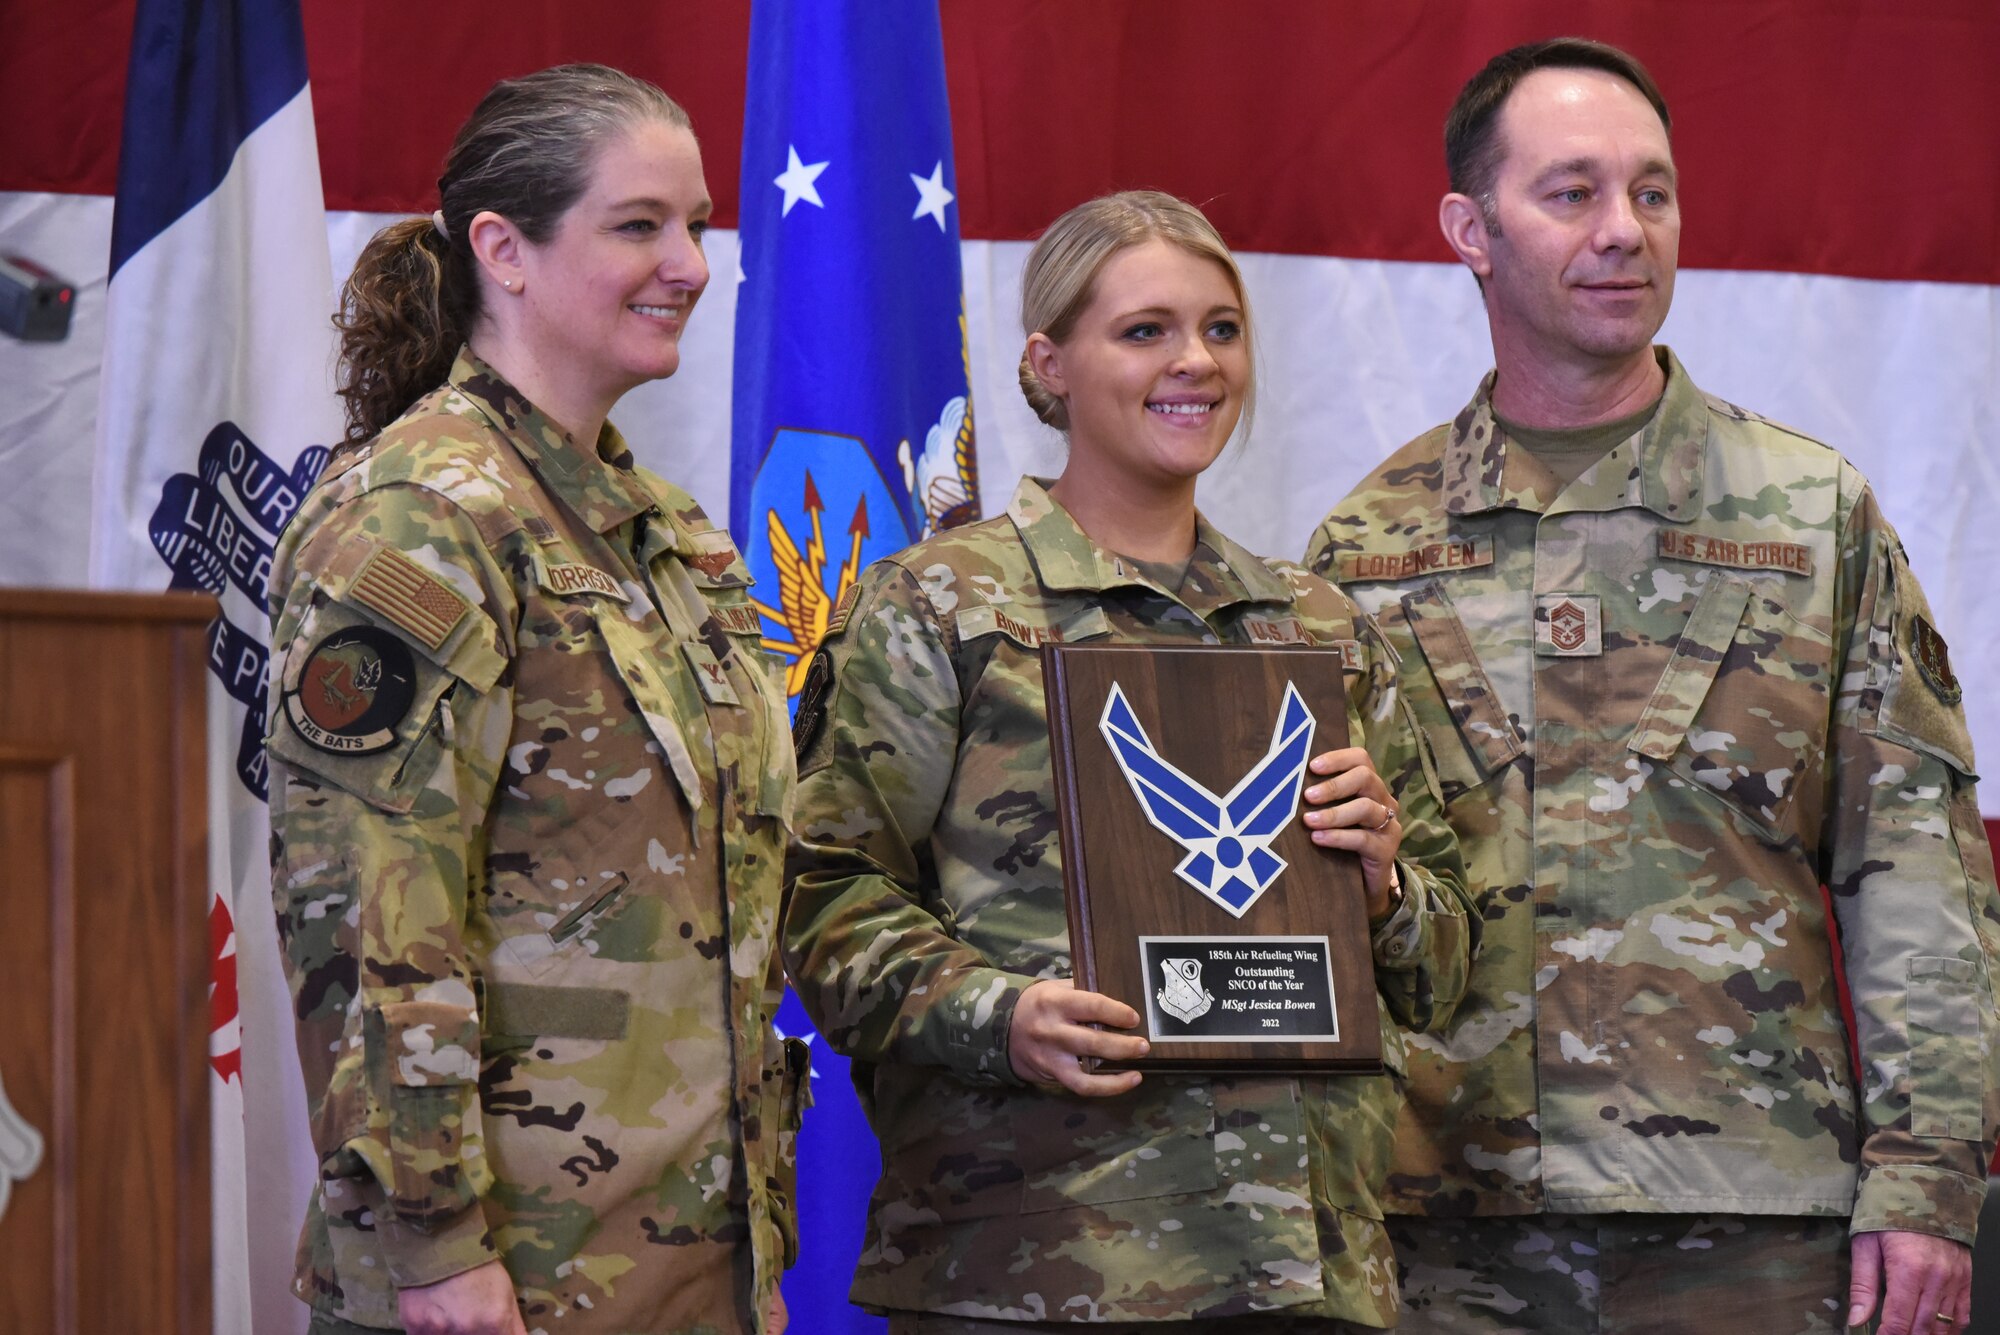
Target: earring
point(508, 284)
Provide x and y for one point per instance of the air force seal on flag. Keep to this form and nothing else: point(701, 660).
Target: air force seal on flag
point(1228, 839)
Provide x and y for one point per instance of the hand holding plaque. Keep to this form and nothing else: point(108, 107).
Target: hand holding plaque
point(1196, 895)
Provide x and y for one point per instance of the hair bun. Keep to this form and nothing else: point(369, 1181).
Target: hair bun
point(1050, 409)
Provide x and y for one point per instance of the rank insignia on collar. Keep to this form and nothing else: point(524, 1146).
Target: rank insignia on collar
point(1228, 839)
point(354, 687)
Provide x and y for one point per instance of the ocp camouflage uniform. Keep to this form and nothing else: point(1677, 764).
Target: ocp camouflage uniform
point(530, 778)
point(927, 894)
point(1670, 702)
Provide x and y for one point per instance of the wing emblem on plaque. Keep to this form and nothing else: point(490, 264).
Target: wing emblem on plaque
point(1228, 839)
point(20, 1149)
point(1182, 995)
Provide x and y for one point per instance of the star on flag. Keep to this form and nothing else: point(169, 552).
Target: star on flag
point(931, 195)
point(797, 182)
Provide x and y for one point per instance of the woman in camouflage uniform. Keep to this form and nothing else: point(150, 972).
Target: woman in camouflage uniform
point(926, 930)
point(528, 774)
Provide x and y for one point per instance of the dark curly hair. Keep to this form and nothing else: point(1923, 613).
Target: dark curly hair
point(525, 154)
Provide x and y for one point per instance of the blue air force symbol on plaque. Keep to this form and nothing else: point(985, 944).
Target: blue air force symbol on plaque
point(1228, 839)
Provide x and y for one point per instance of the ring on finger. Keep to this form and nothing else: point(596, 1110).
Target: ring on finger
point(1388, 814)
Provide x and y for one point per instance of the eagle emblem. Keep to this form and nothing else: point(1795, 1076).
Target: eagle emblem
point(804, 602)
point(1228, 839)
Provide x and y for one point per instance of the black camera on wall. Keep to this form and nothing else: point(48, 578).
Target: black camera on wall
point(34, 303)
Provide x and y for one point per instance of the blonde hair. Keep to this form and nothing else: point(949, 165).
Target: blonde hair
point(1061, 275)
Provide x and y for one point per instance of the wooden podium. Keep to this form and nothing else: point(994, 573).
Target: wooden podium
point(104, 962)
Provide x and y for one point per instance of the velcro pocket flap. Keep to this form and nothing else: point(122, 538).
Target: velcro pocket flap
point(1691, 671)
point(1484, 726)
point(388, 587)
point(1945, 996)
point(358, 707)
point(431, 1043)
point(431, 1049)
point(1921, 703)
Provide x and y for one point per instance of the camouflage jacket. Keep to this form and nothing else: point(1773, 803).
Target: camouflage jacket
point(1677, 699)
point(927, 892)
point(529, 789)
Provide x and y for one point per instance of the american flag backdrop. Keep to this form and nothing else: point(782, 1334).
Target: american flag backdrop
point(1840, 263)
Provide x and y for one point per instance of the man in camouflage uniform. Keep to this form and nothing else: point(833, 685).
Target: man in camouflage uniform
point(1686, 679)
point(927, 895)
point(531, 779)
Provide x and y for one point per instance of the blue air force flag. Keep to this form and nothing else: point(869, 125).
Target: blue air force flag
point(215, 410)
point(852, 432)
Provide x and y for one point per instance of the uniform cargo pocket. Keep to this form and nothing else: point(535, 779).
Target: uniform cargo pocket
point(1742, 707)
point(1945, 998)
point(1158, 1140)
point(432, 1052)
point(1486, 739)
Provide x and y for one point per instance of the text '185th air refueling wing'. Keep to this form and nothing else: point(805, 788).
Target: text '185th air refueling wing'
point(1228, 839)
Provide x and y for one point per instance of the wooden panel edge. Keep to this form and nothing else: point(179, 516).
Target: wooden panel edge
point(192, 874)
point(40, 604)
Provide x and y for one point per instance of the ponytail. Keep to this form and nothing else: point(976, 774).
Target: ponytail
point(525, 154)
point(399, 326)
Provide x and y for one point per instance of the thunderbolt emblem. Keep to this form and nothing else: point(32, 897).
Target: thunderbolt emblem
point(1228, 839)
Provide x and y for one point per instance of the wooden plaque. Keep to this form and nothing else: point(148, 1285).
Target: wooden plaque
point(1196, 895)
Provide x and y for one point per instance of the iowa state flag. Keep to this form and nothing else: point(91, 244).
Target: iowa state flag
point(215, 413)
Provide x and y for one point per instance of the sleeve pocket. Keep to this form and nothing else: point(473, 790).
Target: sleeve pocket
point(432, 1053)
point(1944, 996)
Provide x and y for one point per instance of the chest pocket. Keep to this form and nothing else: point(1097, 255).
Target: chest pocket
point(734, 635)
point(1742, 707)
point(1487, 741)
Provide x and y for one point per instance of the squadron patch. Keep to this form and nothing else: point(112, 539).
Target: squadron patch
point(1933, 659)
point(812, 704)
point(355, 686)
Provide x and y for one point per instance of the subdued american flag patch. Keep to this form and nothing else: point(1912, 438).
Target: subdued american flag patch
point(410, 596)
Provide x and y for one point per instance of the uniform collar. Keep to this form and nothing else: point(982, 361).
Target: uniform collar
point(598, 485)
point(1065, 558)
point(1660, 468)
